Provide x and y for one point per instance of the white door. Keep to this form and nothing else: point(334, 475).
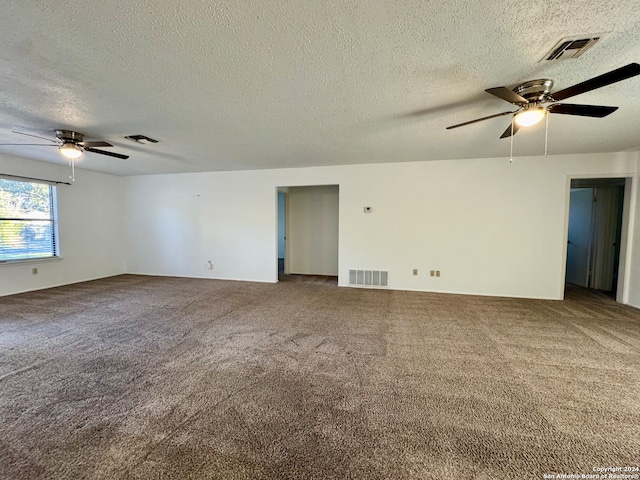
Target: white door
point(312, 235)
point(580, 235)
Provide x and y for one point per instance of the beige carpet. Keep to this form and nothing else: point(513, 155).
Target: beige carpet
point(138, 377)
point(317, 279)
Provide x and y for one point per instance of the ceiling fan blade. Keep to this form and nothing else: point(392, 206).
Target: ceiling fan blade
point(95, 144)
point(613, 76)
point(479, 120)
point(104, 152)
point(583, 110)
point(508, 132)
point(505, 94)
point(29, 144)
point(34, 136)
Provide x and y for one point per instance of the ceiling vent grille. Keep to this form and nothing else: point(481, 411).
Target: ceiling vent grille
point(568, 48)
point(369, 278)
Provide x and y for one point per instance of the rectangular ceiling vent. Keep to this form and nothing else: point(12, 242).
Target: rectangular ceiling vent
point(369, 278)
point(140, 139)
point(572, 47)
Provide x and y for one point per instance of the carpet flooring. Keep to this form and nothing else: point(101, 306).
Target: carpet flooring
point(317, 279)
point(136, 377)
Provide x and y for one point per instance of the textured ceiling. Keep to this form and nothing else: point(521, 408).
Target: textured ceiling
point(230, 85)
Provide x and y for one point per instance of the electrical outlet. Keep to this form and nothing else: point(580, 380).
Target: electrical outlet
point(415, 271)
point(210, 265)
point(34, 271)
point(432, 273)
point(437, 273)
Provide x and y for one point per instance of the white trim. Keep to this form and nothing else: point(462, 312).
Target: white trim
point(56, 285)
point(451, 292)
point(22, 261)
point(196, 277)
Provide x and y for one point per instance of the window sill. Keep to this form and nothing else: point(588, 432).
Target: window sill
point(26, 261)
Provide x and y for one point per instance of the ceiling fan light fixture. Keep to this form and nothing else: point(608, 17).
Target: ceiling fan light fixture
point(530, 116)
point(71, 151)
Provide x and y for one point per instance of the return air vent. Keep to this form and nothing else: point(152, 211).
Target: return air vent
point(369, 278)
point(140, 139)
point(572, 47)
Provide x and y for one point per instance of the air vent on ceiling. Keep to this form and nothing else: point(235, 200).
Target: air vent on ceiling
point(572, 47)
point(140, 139)
point(369, 278)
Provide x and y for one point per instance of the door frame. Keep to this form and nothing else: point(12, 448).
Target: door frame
point(624, 261)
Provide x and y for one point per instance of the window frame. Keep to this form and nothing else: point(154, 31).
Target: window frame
point(53, 219)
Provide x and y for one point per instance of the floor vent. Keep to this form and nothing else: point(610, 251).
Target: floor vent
point(369, 278)
point(571, 48)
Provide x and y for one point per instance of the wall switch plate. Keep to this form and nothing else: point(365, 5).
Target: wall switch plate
point(34, 271)
point(415, 271)
point(432, 273)
point(437, 273)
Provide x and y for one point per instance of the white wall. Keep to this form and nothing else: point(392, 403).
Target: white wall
point(633, 263)
point(90, 229)
point(490, 227)
point(313, 230)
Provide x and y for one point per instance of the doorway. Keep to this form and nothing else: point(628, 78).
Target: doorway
point(282, 237)
point(308, 230)
point(595, 233)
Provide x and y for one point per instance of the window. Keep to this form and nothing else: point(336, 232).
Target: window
point(28, 220)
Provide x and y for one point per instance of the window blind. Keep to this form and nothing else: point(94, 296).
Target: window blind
point(28, 220)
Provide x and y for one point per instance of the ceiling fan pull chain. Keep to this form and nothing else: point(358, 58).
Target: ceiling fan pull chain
point(511, 154)
point(72, 170)
point(546, 136)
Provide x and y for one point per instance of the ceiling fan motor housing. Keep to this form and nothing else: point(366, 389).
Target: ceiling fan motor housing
point(69, 136)
point(535, 90)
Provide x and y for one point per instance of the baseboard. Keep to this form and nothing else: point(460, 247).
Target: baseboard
point(201, 277)
point(55, 285)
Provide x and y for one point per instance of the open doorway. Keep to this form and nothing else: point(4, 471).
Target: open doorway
point(595, 233)
point(308, 232)
point(282, 236)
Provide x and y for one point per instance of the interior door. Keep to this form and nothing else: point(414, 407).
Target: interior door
point(606, 227)
point(580, 235)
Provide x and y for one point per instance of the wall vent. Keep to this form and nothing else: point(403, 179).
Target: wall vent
point(369, 278)
point(568, 48)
